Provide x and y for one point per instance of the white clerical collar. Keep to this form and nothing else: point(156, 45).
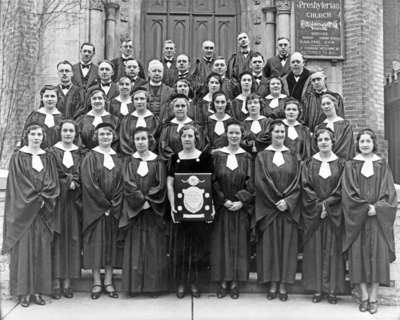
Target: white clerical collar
point(241, 97)
point(43, 111)
point(97, 149)
point(26, 149)
point(207, 97)
point(104, 113)
point(281, 96)
point(226, 150)
point(360, 157)
point(176, 121)
point(335, 120)
point(272, 148)
point(155, 84)
point(331, 158)
point(59, 145)
point(214, 117)
point(251, 119)
point(151, 156)
point(127, 101)
point(296, 123)
point(148, 113)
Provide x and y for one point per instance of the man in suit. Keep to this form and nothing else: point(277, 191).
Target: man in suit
point(126, 50)
point(279, 65)
point(85, 72)
point(260, 82)
point(70, 96)
point(229, 86)
point(297, 81)
point(132, 72)
point(169, 62)
point(239, 62)
point(204, 64)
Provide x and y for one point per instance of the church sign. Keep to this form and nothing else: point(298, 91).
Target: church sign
point(319, 29)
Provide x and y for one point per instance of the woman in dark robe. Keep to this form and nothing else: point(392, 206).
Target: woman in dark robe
point(277, 183)
point(98, 114)
point(140, 117)
point(256, 127)
point(142, 222)
point(101, 177)
point(323, 260)
point(67, 238)
point(122, 105)
point(233, 195)
point(189, 240)
point(274, 103)
point(47, 115)
point(170, 141)
point(298, 136)
point(31, 193)
point(369, 205)
point(344, 141)
point(239, 110)
point(216, 123)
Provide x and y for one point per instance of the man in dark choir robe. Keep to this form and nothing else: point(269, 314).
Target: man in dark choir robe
point(70, 96)
point(261, 83)
point(229, 86)
point(159, 92)
point(169, 62)
point(279, 65)
point(204, 64)
point(312, 112)
point(297, 81)
point(239, 62)
point(126, 50)
point(132, 72)
point(85, 72)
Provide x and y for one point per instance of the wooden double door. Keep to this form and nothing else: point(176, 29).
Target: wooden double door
point(188, 23)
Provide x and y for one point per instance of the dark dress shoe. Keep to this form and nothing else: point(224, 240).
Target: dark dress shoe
point(221, 292)
point(56, 293)
point(332, 299)
point(234, 293)
point(110, 290)
point(316, 298)
point(283, 296)
point(373, 307)
point(363, 307)
point(25, 301)
point(271, 295)
point(95, 294)
point(38, 299)
point(195, 291)
point(68, 293)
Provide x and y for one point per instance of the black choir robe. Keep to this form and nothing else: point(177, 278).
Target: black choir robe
point(272, 108)
point(203, 111)
point(238, 63)
point(297, 89)
point(71, 103)
point(262, 87)
point(323, 260)
point(145, 267)
point(202, 68)
point(369, 241)
point(277, 231)
point(216, 140)
point(230, 87)
point(230, 229)
point(302, 145)
point(84, 82)
point(29, 222)
point(255, 142)
point(68, 213)
point(238, 108)
point(115, 108)
point(101, 193)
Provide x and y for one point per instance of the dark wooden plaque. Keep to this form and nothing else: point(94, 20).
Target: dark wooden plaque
point(319, 29)
point(193, 197)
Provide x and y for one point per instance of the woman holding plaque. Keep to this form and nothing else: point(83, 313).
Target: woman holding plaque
point(277, 182)
point(188, 239)
point(233, 194)
point(142, 222)
point(369, 204)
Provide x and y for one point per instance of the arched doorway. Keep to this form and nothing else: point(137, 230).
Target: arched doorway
point(188, 23)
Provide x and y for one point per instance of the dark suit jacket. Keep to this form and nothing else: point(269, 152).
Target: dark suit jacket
point(274, 68)
point(71, 103)
point(169, 73)
point(89, 80)
point(237, 64)
point(119, 69)
point(202, 69)
point(297, 89)
point(138, 83)
point(164, 95)
point(261, 89)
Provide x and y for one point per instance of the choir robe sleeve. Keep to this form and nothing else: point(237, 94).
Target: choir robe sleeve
point(267, 194)
point(168, 142)
point(356, 207)
point(95, 200)
point(312, 203)
point(246, 195)
point(25, 200)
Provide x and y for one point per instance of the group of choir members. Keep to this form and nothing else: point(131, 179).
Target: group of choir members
point(98, 193)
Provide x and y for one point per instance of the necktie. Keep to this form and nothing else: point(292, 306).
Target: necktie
point(49, 120)
point(37, 163)
point(124, 108)
point(255, 127)
point(141, 122)
point(292, 133)
point(219, 128)
point(278, 159)
point(231, 162)
point(367, 169)
point(143, 169)
point(108, 161)
point(97, 120)
point(325, 170)
point(68, 161)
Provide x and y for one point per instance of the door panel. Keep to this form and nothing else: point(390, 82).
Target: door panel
point(202, 30)
point(203, 6)
point(225, 7)
point(179, 6)
point(179, 32)
point(225, 34)
point(155, 29)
